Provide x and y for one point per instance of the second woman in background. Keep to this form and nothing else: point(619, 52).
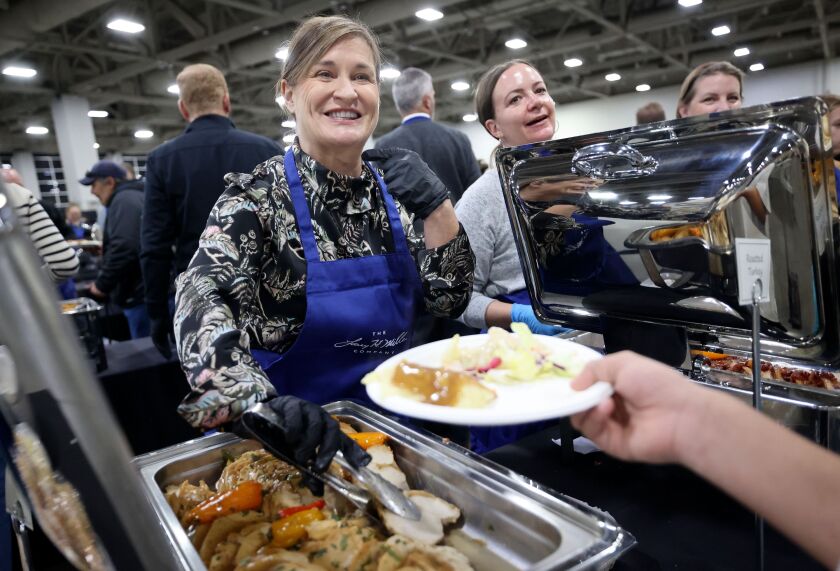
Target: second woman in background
point(711, 87)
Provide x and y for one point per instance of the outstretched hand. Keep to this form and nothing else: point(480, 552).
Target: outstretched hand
point(648, 416)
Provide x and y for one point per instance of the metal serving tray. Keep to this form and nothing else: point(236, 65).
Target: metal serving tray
point(509, 521)
point(814, 413)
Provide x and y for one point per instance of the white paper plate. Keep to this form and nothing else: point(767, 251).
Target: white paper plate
point(514, 404)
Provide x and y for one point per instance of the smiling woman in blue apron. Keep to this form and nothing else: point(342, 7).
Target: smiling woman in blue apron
point(309, 273)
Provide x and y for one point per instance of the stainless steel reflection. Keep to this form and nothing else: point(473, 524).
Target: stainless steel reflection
point(63, 403)
point(657, 243)
point(509, 522)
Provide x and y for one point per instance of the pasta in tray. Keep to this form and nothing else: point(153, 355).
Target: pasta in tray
point(259, 517)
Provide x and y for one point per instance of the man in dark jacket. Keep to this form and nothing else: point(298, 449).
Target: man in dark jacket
point(447, 151)
point(184, 178)
point(119, 275)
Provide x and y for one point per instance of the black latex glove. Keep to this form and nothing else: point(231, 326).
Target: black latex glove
point(310, 436)
point(161, 334)
point(409, 179)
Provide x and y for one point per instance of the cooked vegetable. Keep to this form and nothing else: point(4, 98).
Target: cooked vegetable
point(286, 512)
point(368, 439)
point(290, 530)
point(246, 496)
point(708, 354)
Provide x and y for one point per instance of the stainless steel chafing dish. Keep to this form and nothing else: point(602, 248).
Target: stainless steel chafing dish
point(85, 314)
point(509, 522)
point(640, 224)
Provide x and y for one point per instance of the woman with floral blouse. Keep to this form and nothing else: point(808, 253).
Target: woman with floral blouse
point(309, 272)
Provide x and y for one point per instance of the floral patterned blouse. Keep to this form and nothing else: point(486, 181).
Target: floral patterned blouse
point(246, 284)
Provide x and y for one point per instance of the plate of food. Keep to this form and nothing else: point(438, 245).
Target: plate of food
point(496, 378)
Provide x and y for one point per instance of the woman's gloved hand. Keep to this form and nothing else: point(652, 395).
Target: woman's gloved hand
point(409, 179)
point(521, 313)
point(306, 432)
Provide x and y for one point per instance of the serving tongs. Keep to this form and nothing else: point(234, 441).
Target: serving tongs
point(260, 423)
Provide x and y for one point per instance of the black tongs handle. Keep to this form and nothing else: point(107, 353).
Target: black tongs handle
point(262, 424)
point(260, 421)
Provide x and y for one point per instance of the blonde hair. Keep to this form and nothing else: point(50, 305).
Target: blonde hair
point(833, 101)
point(202, 88)
point(315, 36)
point(704, 70)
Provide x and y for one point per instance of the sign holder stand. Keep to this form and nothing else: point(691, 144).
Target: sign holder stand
point(756, 374)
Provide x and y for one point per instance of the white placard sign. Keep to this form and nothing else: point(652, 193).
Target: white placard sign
point(753, 258)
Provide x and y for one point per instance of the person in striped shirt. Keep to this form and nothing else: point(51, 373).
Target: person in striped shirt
point(60, 260)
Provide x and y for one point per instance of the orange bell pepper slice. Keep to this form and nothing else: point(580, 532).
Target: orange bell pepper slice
point(286, 512)
point(246, 496)
point(290, 530)
point(709, 355)
point(368, 439)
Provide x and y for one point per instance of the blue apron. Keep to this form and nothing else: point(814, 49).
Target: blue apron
point(359, 312)
point(483, 439)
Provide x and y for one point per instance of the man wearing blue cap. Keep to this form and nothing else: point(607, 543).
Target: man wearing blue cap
point(119, 276)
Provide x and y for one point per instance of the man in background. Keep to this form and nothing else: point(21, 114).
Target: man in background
point(650, 113)
point(184, 178)
point(447, 151)
point(119, 275)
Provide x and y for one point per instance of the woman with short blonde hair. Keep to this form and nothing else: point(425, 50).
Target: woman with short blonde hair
point(309, 272)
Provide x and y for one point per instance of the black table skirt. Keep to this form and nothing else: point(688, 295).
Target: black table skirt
point(679, 520)
point(144, 390)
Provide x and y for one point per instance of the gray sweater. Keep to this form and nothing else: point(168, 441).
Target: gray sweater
point(483, 214)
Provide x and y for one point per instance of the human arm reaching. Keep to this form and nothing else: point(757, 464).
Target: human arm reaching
point(656, 415)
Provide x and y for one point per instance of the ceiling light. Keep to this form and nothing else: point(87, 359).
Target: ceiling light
point(469, 117)
point(289, 124)
point(37, 130)
point(96, 145)
point(280, 100)
point(720, 30)
point(429, 14)
point(143, 134)
point(290, 138)
point(516, 43)
point(659, 197)
point(127, 26)
point(643, 87)
point(757, 67)
point(174, 89)
point(602, 195)
point(612, 77)
point(689, 3)
point(97, 114)
point(741, 52)
point(460, 85)
point(17, 71)
point(628, 202)
point(389, 73)
point(573, 62)
point(282, 53)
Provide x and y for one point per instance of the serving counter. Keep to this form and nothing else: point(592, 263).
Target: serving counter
point(679, 520)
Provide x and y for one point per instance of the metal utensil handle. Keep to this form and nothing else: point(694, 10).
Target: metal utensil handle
point(358, 496)
point(387, 493)
point(610, 161)
point(756, 373)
